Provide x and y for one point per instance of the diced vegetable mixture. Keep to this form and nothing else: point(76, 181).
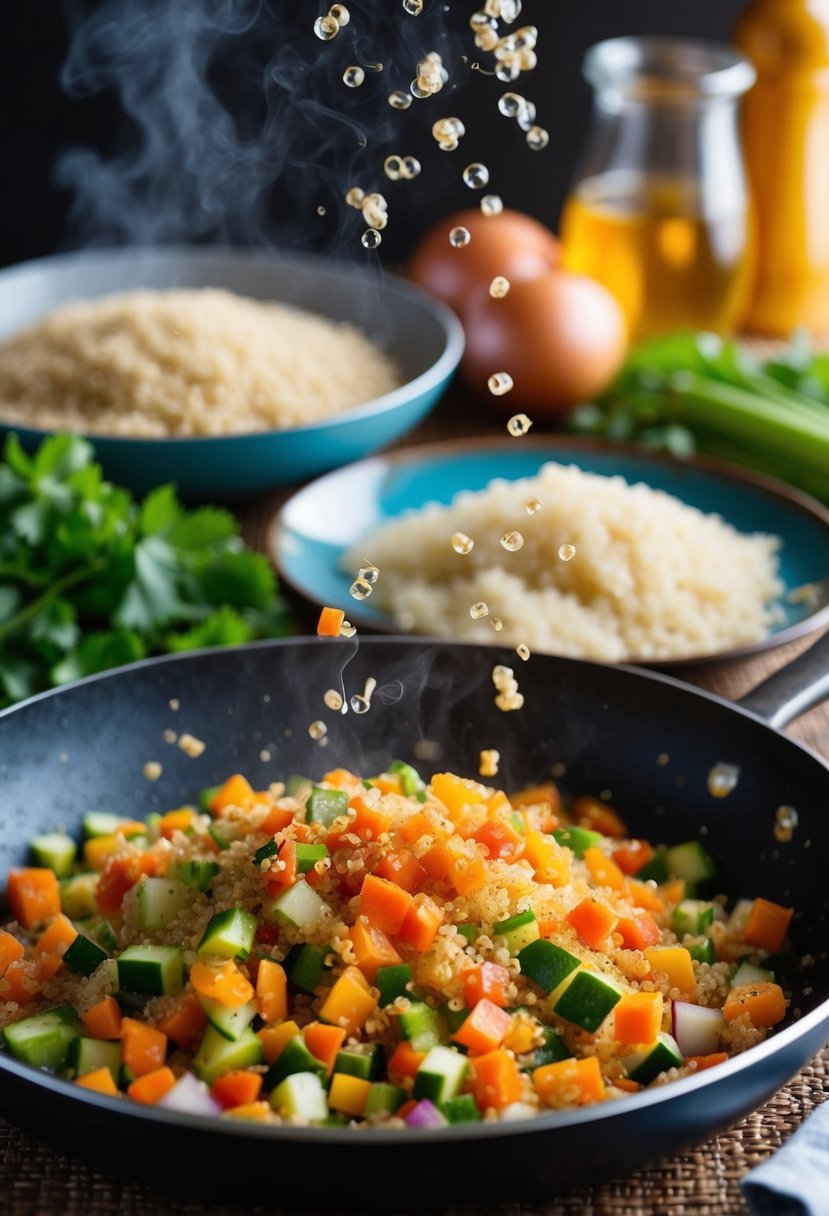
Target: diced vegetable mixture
point(383, 951)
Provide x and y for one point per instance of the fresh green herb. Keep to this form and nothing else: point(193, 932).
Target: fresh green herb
point(695, 392)
point(90, 579)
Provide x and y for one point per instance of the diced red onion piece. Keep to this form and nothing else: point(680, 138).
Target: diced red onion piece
point(190, 1097)
point(425, 1114)
point(696, 1029)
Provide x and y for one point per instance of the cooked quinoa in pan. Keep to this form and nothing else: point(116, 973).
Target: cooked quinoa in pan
point(380, 951)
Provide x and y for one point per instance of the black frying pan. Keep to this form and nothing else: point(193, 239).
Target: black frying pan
point(84, 748)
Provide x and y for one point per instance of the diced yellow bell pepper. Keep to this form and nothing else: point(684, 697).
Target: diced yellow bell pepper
point(549, 860)
point(350, 1002)
point(676, 963)
point(256, 1112)
point(348, 1094)
point(456, 792)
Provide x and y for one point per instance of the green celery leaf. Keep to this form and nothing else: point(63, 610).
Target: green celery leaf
point(222, 628)
point(98, 652)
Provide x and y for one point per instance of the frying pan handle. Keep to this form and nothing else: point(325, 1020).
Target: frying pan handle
point(793, 689)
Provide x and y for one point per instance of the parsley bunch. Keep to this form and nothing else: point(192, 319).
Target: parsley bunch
point(90, 579)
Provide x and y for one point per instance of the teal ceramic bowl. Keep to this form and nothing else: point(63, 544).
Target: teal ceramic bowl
point(419, 333)
point(313, 530)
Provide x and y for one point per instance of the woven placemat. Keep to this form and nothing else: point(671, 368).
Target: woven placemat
point(35, 1181)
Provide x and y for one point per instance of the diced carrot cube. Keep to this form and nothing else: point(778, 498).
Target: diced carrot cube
point(143, 1047)
point(404, 1060)
point(603, 870)
point(100, 1081)
point(372, 949)
point(767, 924)
point(236, 791)
point(570, 1082)
point(593, 921)
point(324, 1042)
point(539, 795)
point(709, 1061)
point(484, 1028)
point(119, 875)
point(495, 1080)
point(638, 931)
point(418, 825)
point(631, 856)
point(271, 991)
point(284, 873)
point(401, 867)
point(764, 1003)
point(330, 622)
point(20, 982)
point(185, 1024)
point(456, 792)
point(103, 1021)
point(643, 895)
point(421, 923)
point(369, 822)
point(384, 904)
point(10, 950)
point(57, 937)
point(33, 895)
point(152, 1086)
point(591, 812)
point(638, 1017)
point(500, 839)
point(236, 1088)
point(486, 981)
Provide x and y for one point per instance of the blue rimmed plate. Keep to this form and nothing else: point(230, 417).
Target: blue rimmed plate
point(422, 336)
point(324, 519)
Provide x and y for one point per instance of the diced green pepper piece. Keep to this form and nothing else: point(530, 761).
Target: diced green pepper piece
point(55, 850)
point(307, 856)
point(411, 782)
point(587, 1000)
point(520, 825)
point(461, 1109)
point(518, 931)
point(392, 982)
point(470, 932)
point(324, 806)
point(83, 956)
point(229, 934)
point(704, 951)
point(577, 839)
point(546, 964)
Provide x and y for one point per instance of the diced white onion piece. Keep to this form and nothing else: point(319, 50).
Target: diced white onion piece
point(696, 1029)
point(190, 1097)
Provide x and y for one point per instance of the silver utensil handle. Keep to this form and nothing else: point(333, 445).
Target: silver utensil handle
point(794, 689)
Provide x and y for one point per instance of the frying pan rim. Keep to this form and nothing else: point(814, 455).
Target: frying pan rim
point(461, 1132)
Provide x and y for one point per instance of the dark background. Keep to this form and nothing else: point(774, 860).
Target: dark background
point(269, 193)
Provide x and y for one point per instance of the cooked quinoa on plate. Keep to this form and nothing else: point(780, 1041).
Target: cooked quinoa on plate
point(380, 951)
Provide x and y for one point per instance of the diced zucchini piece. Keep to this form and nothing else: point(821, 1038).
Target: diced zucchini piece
point(546, 964)
point(161, 901)
point(55, 850)
point(644, 1065)
point(298, 905)
point(324, 806)
point(748, 973)
point(83, 956)
point(230, 1023)
point(587, 1000)
point(216, 1054)
point(307, 856)
point(392, 981)
point(198, 874)
point(44, 1039)
point(577, 839)
point(689, 861)
point(692, 916)
point(103, 823)
point(703, 951)
point(551, 1050)
point(229, 934)
point(77, 896)
point(462, 1109)
point(219, 836)
point(85, 1055)
point(656, 869)
point(384, 1097)
point(305, 966)
point(470, 932)
point(366, 1060)
point(301, 1095)
point(518, 931)
point(420, 1024)
point(440, 1075)
point(411, 782)
point(294, 1057)
point(151, 970)
point(206, 796)
point(105, 936)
